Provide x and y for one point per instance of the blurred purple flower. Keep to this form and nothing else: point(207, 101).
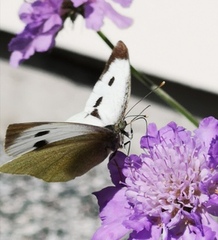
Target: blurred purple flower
point(43, 21)
point(170, 191)
point(96, 10)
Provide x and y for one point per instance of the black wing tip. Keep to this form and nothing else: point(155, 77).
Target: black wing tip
point(10, 136)
point(14, 130)
point(120, 51)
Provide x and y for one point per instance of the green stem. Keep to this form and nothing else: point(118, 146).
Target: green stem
point(151, 85)
point(176, 105)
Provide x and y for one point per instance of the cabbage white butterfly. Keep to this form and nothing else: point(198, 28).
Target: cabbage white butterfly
point(61, 151)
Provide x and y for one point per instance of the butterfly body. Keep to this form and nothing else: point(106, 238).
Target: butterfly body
point(61, 151)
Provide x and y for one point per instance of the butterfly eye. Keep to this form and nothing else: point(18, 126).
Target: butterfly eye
point(122, 125)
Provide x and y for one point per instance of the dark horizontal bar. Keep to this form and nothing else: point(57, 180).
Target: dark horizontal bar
point(86, 70)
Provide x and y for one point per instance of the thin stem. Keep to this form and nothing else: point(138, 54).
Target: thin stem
point(151, 85)
point(176, 105)
point(105, 39)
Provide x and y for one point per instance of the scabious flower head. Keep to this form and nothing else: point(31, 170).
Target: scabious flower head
point(170, 191)
point(44, 19)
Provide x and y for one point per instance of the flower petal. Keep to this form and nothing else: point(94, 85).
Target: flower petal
point(78, 3)
point(112, 213)
point(43, 23)
point(213, 153)
point(208, 129)
point(115, 166)
point(151, 138)
point(120, 20)
point(124, 3)
point(155, 233)
point(95, 11)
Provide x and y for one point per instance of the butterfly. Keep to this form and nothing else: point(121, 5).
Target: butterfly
point(61, 151)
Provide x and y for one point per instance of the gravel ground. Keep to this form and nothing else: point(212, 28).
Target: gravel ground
point(35, 210)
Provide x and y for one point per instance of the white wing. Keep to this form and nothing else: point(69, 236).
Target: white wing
point(26, 137)
point(108, 100)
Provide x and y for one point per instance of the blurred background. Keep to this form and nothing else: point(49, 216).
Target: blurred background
point(174, 41)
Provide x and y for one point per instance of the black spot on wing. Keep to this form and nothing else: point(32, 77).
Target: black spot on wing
point(95, 113)
point(110, 83)
point(40, 144)
point(41, 133)
point(98, 102)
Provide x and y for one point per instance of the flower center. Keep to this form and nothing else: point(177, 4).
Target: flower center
point(166, 180)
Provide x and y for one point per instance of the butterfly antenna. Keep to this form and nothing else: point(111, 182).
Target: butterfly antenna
point(135, 118)
point(153, 90)
point(140, 115)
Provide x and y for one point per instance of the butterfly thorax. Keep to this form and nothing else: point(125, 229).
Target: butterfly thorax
point(119, 130)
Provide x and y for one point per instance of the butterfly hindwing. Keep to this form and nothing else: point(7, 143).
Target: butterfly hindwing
point(25, 137)
point(60, 160)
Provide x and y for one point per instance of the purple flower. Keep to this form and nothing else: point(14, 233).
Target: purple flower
point(96, 10)
point(170, 191)
point(43, 21)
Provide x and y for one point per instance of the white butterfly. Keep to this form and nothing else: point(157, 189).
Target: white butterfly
point(61, 151)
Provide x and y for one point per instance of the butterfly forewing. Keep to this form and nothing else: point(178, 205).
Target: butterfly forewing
point(108, 100)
